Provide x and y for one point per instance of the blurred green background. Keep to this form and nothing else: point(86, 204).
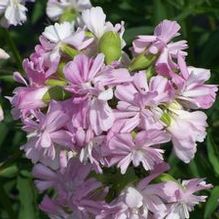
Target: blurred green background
point(200, 27)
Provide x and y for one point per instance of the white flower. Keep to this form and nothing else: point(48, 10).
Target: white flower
point(13, 11)
point(55, 8)
point(58, 32)
point(95, 21)
point(3, 54)
point(1, 114)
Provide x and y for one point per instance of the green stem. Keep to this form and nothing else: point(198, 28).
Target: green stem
point(14, 49)
point(6, 203)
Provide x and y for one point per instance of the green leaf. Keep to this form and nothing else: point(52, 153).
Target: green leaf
point(160, 12)
point(28, 209)
point(213, 153)
point(9, 172)
point(6, 202)
point(211, 50)
point(212, 203)
point(38, 11)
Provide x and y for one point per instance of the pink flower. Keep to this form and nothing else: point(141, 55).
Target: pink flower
point(192, 92)
point(89, 77)
point(142, 201)
point(139, 101)
point(46, 177)
point(124, 150)
point(47, 56)
point(159, 44)
point(182, 198)
point(75, 190)
point(47, 136)
point(26, 99)
point(186, 128)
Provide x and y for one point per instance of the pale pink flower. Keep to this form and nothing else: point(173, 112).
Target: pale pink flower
point(143, 149)
point(192, 92)
point(89, 77)
point(159, 44)
point(186, 128)
point(26, 99)
point(58, 35)
point(47, 136)
point(182, 198)
point(75, 190)
point(139, 101)
point(141, 202)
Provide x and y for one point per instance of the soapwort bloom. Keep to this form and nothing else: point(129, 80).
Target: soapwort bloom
point(13, 12)
point(96, 122)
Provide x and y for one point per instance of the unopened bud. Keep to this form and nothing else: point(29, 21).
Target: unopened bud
point(67, 50)
point(68, 15)
point(110, 45)
point(141, 62)
point(150, 72)
point(56, 93)
point(55, 82)
point(60, 72)
point(166, 178)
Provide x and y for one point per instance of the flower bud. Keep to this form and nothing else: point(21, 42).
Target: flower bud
point(67, 50)
point(111, 46)
point(56, 93)
point(150, 72)
point(68, 15)
point(141, 62)
point(55, 82)
point(165, 178)
point(60, 73)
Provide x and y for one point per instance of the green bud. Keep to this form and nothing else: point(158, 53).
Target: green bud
point(89, 34)
point(68, 15)
point(71, 52)
point(165, 178)
point(55, 82)
point(150, 72)
point(60, 73)
point(165, 118)
point(110, 45)
point(56, 93)
point(9, 172)
point(141, 62)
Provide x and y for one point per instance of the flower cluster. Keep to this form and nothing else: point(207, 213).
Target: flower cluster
point(88, 107)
